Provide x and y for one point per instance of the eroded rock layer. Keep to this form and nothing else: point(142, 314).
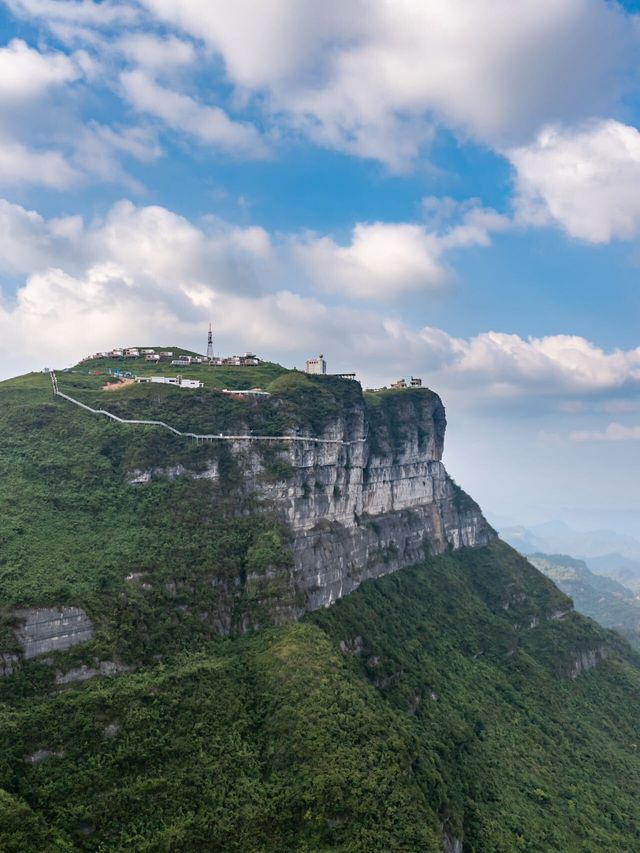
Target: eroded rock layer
point(363, 509)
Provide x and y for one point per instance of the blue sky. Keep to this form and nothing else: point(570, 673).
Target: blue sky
point(439, 188)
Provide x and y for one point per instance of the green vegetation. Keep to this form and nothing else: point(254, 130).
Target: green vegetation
point(240, 378)
point(298, 402)
point(75, 528)
point(439, 696)
point(438, 711)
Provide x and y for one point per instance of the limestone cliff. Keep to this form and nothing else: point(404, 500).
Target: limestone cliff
point(363, 509)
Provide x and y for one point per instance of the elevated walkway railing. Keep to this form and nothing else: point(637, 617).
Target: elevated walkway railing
point(197, 437)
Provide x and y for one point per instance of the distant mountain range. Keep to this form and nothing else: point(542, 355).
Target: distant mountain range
point(605, 552)
point(602, 598)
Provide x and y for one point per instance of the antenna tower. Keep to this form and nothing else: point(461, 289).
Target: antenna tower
point(210, 343)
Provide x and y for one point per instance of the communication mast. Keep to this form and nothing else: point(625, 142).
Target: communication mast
point(210, 343)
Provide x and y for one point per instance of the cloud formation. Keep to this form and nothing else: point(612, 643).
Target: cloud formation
point(372, 79)
point(585, 180)
point(613, 432)
point(183, 113)
point(26, 73)
point(385, 259)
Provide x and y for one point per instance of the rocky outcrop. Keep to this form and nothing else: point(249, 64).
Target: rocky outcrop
point(41, 755)
point(586, 660)
point(9, 663)
point(360, 510)
point(50, 629)
point(370, 498)
point(451, 844)
point(84, 672)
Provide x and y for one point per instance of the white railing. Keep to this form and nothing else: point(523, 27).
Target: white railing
point(211, 437)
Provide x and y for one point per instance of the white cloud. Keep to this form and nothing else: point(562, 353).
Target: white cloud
point(25, 239)
point(151, 244)
point(20, 165)
point(99, 150)
point(585, 180)
point(102, 13)
point(139, 272)
point(384, 259)
point(42, 140)
point(554, 365)
point(26, 73)
point(372, 78)
point(613, 432)
point(184, 114)
point(157, 54)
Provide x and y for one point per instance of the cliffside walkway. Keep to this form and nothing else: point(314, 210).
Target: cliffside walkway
point(195, 436)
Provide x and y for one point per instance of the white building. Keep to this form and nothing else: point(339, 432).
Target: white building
point(317, 365)
point(177, 381)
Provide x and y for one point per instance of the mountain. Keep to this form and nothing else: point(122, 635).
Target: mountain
point(558, 537)
point(606, 552)
point(603, 599)
point(310, 642)
point(623, 569)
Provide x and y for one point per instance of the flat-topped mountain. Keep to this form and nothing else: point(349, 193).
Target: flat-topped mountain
point(174, 677)
point(348, 486)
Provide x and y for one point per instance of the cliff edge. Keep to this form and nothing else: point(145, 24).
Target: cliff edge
point(363, 509)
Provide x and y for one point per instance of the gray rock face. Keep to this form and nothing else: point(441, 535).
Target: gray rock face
point(49, 629)
point(41, 755)
point(9, 663)
point(365, 509)
point(84, 672)
point(584, 661)
point(451, 844)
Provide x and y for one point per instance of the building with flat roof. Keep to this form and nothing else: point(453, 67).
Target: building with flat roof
point(317, 365)
point(177, 381)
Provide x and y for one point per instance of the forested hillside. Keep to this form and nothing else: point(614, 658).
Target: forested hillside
point(460, 700)
point(417, 703)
